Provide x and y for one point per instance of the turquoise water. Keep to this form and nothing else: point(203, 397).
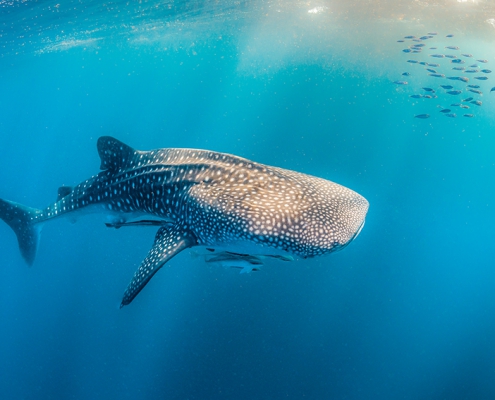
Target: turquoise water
point(405, 312)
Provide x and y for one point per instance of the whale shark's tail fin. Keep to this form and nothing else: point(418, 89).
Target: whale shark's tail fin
point(23, 220)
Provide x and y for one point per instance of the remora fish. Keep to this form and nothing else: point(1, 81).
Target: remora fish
point(202, 198)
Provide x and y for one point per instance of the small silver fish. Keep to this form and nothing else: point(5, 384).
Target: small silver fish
point(464, 79)
point(452, 47)
point(433, 48)
point(454, 92)
point(457, 61)
point(464, 106)
point(481, 78)
point(486, 71)
point(477, 102)
point(459, 68)
point(468, 115)
point(427, 96)
point(422, 116)
point(401, 83)
point(472, 71)
point(432, 33)
point(437, 55)
point(412, 61)
point(474, 86)
point(433, 65)
point(445, 110)
point(409, 37)
point(468, 99)
point(451, 115)
point(492, 89)
point(467, 55)
point(450, 35)
point(450, 56)
point(437, 75)
point(482, 61)
point(474, 66)
point(400, 41)
point(455, 104)
point(431, 70)
point(446, 87)
point(427, 89)
point(406, 74)
point(407, 50)
point(416, 96)
point(476, 91)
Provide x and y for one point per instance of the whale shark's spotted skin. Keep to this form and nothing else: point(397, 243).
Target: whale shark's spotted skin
point(203, 198)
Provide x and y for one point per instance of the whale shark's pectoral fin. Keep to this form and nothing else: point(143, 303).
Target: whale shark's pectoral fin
point(169, 241)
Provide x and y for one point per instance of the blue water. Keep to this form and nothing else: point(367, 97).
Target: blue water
point(407, 311)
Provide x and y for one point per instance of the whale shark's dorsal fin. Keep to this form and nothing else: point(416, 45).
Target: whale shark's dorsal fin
point(63, 191)
point(169, 241)
point(114, 154)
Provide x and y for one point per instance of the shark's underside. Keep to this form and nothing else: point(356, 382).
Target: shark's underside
point(203, 198)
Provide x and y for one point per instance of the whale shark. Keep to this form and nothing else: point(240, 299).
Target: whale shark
point(239, 211)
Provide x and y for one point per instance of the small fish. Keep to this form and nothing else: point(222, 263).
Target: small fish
point(416, 40)
point(492, 89)
point(464, 106)
point(472, 71)
point(474, 86)
point(425, 37)
point(446, 87)
point(486, 71)
point(482, 61)
point(427, 89)
point(433, 65)
point(406, 74)
point(452, 47)
point(467, 55)
point(455, 104)
point(431, 70)
point(476, 91)
point(454, 78)
point(407, 50)
point(409, 37)
point(437, 75)
point(468, 99)
point(412, 61)
point(427, 96)
point(437, 55)
point(445, 110)
point(457, 61)
point(468, 115)
point(400, 41)
point(416, 51)
point(416, 96)
point(401, 83)
point(481, 78)
point(432, 33)
point(452, 115)
point(454, 92)
point(423, 63)
point(418, 45)
point(459, 68)
point(474, 66)
point(450, 56)
point(464, 79)
point(450, 35)
point(476, 102)
point(433, 48)
point(422, 116)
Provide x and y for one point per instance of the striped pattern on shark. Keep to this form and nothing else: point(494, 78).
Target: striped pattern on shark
point(203, 198)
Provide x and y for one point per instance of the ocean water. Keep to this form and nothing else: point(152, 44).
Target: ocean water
point(407, 311)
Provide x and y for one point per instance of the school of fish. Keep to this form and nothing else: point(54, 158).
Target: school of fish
point(463, 78)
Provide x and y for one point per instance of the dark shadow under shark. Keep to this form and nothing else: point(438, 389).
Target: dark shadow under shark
point(203, 198)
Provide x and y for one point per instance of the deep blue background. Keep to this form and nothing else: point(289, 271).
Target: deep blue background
point(406, 312)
